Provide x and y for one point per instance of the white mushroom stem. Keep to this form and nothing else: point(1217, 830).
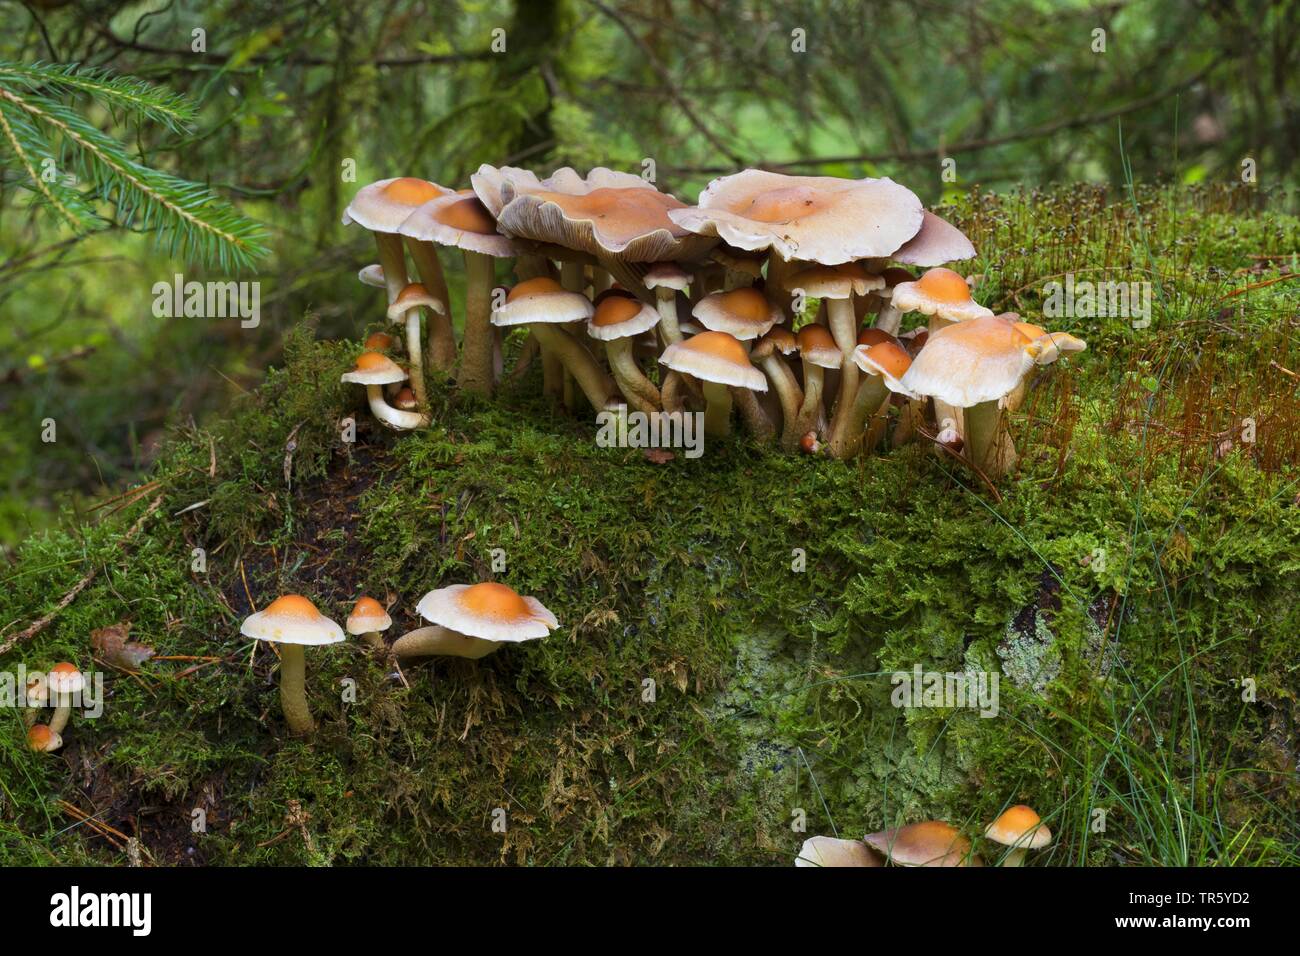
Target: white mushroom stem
point(476, 358)
point(393, 262)
point(442, 340)
point(1015, 857)
point(717, 410)
point(415, 353)
point(756, 420)
point(577, 361)
point(436, 641)
point(791, 395)
point(393, 417)
point(62, 712)
point(814, 376)
point(889, 318)
point(293, 689)
point(374, 640)
point(848, 428)
point(844, 329)
point(639, 391)
point(984, 424)
point(666, 303)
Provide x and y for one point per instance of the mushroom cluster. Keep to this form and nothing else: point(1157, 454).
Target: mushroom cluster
point(635, 300)
point(58, 687)
point(930, 843)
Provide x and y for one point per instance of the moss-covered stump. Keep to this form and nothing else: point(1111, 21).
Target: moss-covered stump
point(729, 624)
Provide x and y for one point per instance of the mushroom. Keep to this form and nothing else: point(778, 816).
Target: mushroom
point(1021, 829)
point(65, 681)
point(666, 279)
point(372, 275)
point(941, 294)
point(828, 851)
point(889, 317)
point(368, 620)
point(744, 313)
point(883, 365)
point(545, 306)
point(461, 220)
point(382, 207)
point(937, 242)
point(1057, 344)
point(406, 309)
point(818, 351)
point(379, 342)
point(719, 361)
point(405, 400)
point(293, 622)
point(617, 320)
point(474, 620)
point(932, 843)
point(43, 740)
point(767, 352)
point(375, 370)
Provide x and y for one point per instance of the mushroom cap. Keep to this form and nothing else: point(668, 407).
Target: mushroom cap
point(414, 296)
point(814, 218)
point(1051, 345)
point(368, 615)
point(460, 220)
point(374, 368)
point(828, 851)
point(666, 275)
point(932, 843)
point(542, 300)
point(65, 678)
point(619, 317)
point(1019, 826)
point(937, 242)
point(745, 313)
point(384, 205)
point(405, 400)
point(777, 339)
point(887, 359)
point(870, 335)
point(488, 610)
point(379, 342)
point(835, 282)
point(42, 739)
point(291, 619)
point(488, 183)
point(940, 292)
point(817, 345)
point(715, 357)
point(372, 274)
point(605, 214)
point(972, 362)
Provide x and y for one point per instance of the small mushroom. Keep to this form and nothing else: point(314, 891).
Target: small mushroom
point(375, 370)
point(932, 843)
point(743, 313)
point(474, 620)
point(768, 352)
point(719, 361)
point(405, 309)
point(43, 740)
point(617, 321)
point(293, 622)
point(65, 682)
point(828, 851)
point(937, 242)
point(665, 280)
point(882, 366)
point(818, 351)
point(1021, 829)
point(368, 621)
point(372, 275)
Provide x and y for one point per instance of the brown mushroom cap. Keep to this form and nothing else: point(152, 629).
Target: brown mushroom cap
point(405, 400)
point(835, 282)
point(368, 616)
point(887, 359)
point(41, 739)
point(715, 357)
point(828, 851)
point(932, 843)
point(972, 362)
point(1020, 827)
point(666, 275)
point(460, 220)
point(382, 206)
point(937, 242)
point(777, 339)
point(491, 611)
point(542, 300)
point(374, 368)
point(65, 678)
point(414, 296)
point(813, 218)
point(620, 317)
point(870, 335)
point(817, 345)
point(940, 292)
point(292, 619)
point(379, 342)
point(745, 313)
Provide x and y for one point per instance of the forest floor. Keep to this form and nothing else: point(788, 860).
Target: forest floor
point(729, 624)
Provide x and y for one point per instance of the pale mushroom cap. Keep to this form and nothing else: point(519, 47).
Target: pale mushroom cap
point(828, 851)
point(932, 843)
point(489, 181)
point(940, 292)
point(971, 362)
point(887, 359)
point(459, 220)
point(491, 611)
point(835, 282)
point(414, 296)
point(715, 357)
point(666, 275)
point(291, 619)
point(937, 242)
point(372, 274)
point(620, 317)
point(374, 368)
point(367, 616)
point(782, 339)
point(1051, 345)
point(1019, 826)
point(378, 342)
point(814, 218)
point(65, 678)
point(745, 313)
point(817, 345)
point(542, 300)
point(384, 205)
point(42, 739)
